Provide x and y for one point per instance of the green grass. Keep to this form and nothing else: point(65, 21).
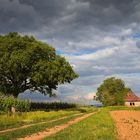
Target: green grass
point(99, 126)
point(20, 119)
point(33, 129)
point(111, 108)
point(87, 109)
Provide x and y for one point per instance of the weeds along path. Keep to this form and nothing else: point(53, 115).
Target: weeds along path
point(56, 129)
point(28, 125)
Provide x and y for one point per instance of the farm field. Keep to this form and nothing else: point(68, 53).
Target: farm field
point(101, 125)
point(127, 124)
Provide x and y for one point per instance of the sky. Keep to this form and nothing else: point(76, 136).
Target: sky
point(100, 38)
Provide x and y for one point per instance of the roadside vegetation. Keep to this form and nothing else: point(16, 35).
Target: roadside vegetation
point(33, 129)
point(7, 102)
point(29, 112)
point(21, 119)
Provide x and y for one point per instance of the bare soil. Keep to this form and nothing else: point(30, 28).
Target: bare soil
point(56, 129)
point(127, 124)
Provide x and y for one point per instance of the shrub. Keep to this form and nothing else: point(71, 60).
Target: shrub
point(7, 102)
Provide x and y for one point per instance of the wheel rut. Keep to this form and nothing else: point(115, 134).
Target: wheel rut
point(56, 129)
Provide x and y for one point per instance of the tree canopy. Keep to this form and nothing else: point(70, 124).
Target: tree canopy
point(112, 92)
point(26, 63)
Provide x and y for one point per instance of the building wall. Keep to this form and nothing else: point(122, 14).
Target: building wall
point(135, 103)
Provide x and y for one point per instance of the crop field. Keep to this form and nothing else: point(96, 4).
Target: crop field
point(83, 123)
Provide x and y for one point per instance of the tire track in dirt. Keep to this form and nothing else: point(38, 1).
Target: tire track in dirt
point(56, 129)
point(25, 126)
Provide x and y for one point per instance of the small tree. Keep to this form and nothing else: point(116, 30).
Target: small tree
point(26, 63)
point(112, 92)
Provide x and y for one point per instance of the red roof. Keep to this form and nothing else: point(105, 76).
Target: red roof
point(131, 97)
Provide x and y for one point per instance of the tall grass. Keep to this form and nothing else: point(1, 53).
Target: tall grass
point(7, 102)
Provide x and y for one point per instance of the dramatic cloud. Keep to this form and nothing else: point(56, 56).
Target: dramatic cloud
point(100, 38)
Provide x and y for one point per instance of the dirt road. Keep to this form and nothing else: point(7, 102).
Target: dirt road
point(28, 125)
point(51, 131)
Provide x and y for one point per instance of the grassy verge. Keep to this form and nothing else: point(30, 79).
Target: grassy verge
point(111, 108)
point(100, 126)
point(87, 109)
point(33, 129)
point(20, 119)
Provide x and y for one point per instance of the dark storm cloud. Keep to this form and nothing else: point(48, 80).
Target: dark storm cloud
point(27, 16)
point(16, 17)
point(33, 15)
point(107, 29)
point(112, 12)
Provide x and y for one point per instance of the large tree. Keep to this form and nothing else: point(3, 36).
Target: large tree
point(112, 92)
point(26, 63)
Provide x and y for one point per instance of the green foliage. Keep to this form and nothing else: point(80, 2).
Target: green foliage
point(7, 102)
point(30, 64)
point(51, 106)
point(112, 92)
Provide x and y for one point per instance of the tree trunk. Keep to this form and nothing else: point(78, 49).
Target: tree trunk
point(15, 95)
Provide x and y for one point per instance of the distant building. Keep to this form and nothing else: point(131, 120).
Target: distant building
point(131, 99)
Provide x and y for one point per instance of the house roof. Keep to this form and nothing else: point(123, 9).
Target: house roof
point(131, 97)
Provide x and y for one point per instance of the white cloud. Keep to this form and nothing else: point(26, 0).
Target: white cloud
point(90, 96)
point(97, 55)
